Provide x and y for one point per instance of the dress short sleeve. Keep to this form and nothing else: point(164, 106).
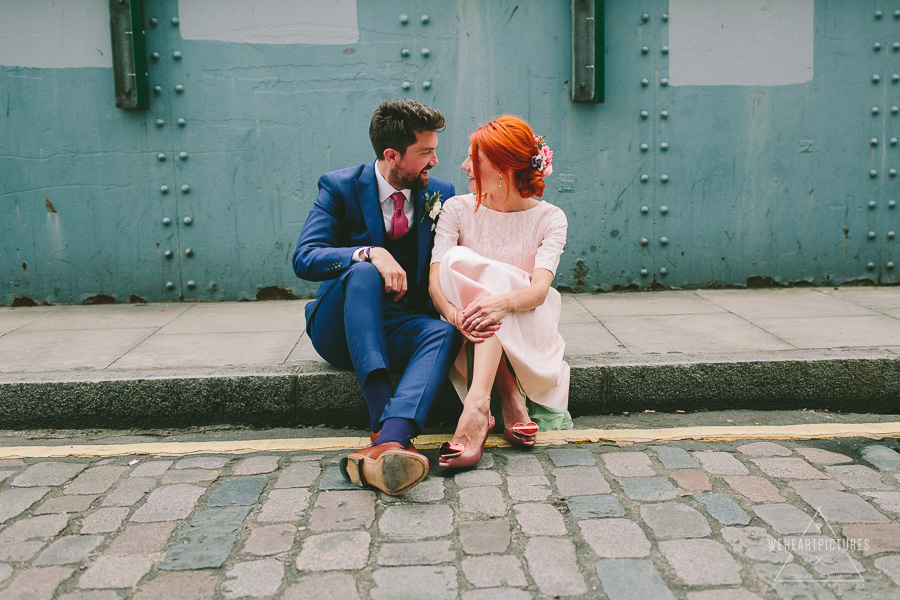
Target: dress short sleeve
point(553, 242)
point(446, 235)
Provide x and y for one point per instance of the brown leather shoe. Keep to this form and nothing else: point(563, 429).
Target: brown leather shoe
point(388, 467)
point(373, 437)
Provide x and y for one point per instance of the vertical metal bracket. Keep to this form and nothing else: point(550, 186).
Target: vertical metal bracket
point(588, 47)
point(129, 53)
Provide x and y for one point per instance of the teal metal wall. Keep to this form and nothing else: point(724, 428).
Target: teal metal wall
point(740, 170)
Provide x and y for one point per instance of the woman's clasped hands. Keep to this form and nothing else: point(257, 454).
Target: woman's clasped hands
point(482, 317)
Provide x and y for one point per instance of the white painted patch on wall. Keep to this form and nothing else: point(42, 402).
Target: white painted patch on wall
point(740, 42)
point(55, 34)
point(270, 21)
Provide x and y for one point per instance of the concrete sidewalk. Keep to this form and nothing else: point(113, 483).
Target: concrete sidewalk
point(251, 362)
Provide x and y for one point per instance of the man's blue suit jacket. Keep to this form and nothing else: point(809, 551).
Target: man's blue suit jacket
point(347, 215)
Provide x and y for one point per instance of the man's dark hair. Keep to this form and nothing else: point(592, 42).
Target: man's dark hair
point(396, 122)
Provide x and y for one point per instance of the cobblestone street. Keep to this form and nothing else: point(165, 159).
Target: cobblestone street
point(688, 520)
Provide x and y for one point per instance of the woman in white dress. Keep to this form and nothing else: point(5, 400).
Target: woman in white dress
point(495, 254)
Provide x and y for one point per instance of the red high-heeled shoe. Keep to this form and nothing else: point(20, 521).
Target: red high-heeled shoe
point(521, 434)
point(456, 456)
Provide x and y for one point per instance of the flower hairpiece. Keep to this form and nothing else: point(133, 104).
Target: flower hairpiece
point(543, 158)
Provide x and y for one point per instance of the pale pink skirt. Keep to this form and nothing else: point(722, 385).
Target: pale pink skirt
point(530, 339)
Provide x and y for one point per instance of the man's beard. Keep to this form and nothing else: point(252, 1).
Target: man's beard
point(415, 183)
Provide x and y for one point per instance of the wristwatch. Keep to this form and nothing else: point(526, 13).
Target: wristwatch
point(367, 254)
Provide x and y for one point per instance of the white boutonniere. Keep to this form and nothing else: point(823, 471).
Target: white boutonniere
point(433, 208)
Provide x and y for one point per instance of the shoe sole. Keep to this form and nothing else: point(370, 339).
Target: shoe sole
point(393, 472)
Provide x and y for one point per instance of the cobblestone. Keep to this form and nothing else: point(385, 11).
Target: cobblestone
point(47, 474)
point(536, 518)
point(615, 538)
point(254, 579)
point(553, 566)
point(671, 520)
point(882, 457)
point(701, 562)
point(541, 523)
point(494, 571)
point(189, 476)
point(343, 510)
point(484, 537)
point(632, 579)
point(580, 481)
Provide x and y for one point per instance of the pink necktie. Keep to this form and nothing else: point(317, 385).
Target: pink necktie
point(399, 224)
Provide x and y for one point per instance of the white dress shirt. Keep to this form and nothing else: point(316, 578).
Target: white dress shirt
point(385, 191)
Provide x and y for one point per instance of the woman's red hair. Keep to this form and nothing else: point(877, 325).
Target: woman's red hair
point(508, 143)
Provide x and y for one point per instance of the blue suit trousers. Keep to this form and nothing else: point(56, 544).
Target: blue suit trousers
point(356, 325)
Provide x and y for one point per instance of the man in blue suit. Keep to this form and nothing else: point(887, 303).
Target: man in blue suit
point(368, 237)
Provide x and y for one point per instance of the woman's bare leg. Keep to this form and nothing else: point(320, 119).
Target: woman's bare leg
point(477, 404)
point(511, 400)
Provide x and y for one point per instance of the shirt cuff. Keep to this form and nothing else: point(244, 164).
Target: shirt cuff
point(357, 255)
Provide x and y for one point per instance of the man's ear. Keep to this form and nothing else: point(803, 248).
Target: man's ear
point(391, 156)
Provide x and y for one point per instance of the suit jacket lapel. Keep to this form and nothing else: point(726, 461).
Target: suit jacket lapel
point(367, 196)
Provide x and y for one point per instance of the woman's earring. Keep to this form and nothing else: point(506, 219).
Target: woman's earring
point(500, 185)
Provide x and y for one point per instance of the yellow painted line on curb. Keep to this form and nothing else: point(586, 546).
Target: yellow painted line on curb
point(425, 442)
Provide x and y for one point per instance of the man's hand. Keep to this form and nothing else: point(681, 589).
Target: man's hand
point(390, 270)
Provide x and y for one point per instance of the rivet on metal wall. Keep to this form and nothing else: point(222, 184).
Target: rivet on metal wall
point(175, 21)
point(664, 210)
point(182, 122)
point(153, 21)
point(161, 156)
point(644, 241)
point(892, 172)
point(426, 85)
point(426, 52)
point(645, 178)
point(664, 178)
point(664, 271)
point(889, 265)
point(876, 78)
point(665, 50)
point(163, 189)
point(645, 50)
point(870, 266)
point(664, 82)
point(665, 18)
point(877, 46)
point(872, 204)
point(160, 123)
point(191, 284)
point(185, 189)
point(404, 19)
point(878, 14)
point(170, 285)
point(179, 89)
point(645, 210)
point(892, 203)
point(872, 235)
point(664, 146)
point(644, 272)
point(176, 55)
point(893, 141)
point(166, 221)
point(406, 85)
point(875, 110)
point(896, 46)
point(873, 173)
point(664, 114)
point(425, 19)
point(890, 235)
point(188, 252)
point(405, 53)
point(645, 82)
point(897, 14)
point(644, 114)
point(874, 141)
point(663, 240)
point(183, 155)
point(187, 220)
point(169, 254)
point(154, 56)
point(895, 77)
point(157, 89)
point(644, 147)
point(895, 110)
point(645, 17)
